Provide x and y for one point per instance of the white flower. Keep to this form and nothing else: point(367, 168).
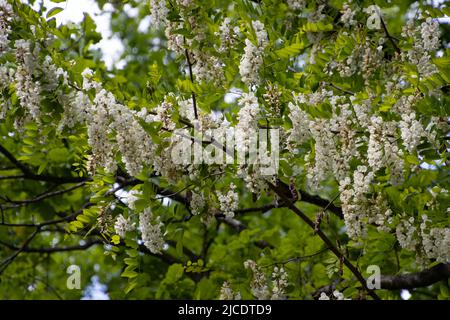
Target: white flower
point(250, 64)
point(151, 229)
point(411, 131)
point(184, 3)
point(228, 35)
point(261, 34)
point(158, 12)
point(426, 40)
point(226, 293)
point(299, 133)
point(197, 203)
point(228, 202)
point(430, 34)
point(246, 128)
point(122, 225)
point(252, 59)
point(258, 285)
point(76, 108)
point(296, 4)
point(406, 234)
point(207, 68)
point(348, 15)
point(6, 16)
point(280, 283)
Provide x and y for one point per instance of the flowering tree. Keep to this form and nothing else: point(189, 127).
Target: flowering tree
point(129, 173)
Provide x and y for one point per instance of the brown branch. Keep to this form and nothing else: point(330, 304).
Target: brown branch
point(296, 259)
point(19, 176)
point(326, 240)
point(414, 280)
point(68, 218)
point(263, 208)
point(19, 203)
point(5, 263)
point(28, 174)
point(388, 35)
point(191, 75)
point(84, 246)
point(339, 88)
point(324, 203)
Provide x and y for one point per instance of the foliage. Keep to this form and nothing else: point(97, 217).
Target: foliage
point(87, 177)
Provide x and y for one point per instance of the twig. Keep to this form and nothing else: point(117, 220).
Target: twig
point(327, 241)
point(5, 263)
point(191, 75)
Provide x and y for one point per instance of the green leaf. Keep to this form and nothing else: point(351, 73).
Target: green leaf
point(290, 50)
point(130, 286)
point(174, 273)
point(129, 274)
point(58, 155)
point(42, 167)
point(54, 11)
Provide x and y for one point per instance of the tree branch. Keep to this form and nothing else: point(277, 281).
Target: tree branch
point(191, 75)
point(84, 246)
point(327, 241)
point(388, 35)
point(19, 203)
point(28, 174)
point(414, 280)
point(5, 263)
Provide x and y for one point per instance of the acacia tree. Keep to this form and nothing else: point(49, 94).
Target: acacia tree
point(357, 91)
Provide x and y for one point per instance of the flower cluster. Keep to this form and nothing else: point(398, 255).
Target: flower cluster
point(105, 117)
point(158, 12)
point(151, 230)
point(348, 15)
point(227, 293)
point(383, 150)
point(296, 4)
point(429, 242)
point(247, 117)
point(411, 131)
point(228, 202)
point(300, 122)
point(228, 35)
point(272, 98)
point(436, 243)
point(354, 201)
point(280, 283)
point(364, 60)
point(122, 225)
point(252, 59)
point(258, 286)
point(197, 203)
point(425, 40)
point(337, 295)
point(6, 16)
point(99, 131)
point(28, 90)
point(207, 68)
point(76, 107)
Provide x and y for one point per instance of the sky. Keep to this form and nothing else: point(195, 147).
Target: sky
point(111, 47)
